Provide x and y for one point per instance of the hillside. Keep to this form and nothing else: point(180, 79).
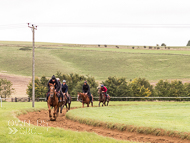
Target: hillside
point(100, 62)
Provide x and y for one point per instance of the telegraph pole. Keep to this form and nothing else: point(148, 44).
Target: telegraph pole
point(33, 28)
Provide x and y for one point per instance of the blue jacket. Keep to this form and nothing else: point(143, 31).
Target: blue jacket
point(64, 88)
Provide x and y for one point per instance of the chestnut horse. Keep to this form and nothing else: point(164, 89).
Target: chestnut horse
point(85, 99)
point(53, 102)
point(102, 98)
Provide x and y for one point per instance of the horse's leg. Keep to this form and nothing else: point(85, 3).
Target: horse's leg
point(87, 104)
point(69, 105)
point(66, 107)
point(83, 105)
point(55, 112)
point(49, 110)
point(61, 108)
point(58, 109)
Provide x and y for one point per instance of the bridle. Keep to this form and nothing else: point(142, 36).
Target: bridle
point(52, 91)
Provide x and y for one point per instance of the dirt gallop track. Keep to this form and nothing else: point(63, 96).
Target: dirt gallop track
point(65, 123)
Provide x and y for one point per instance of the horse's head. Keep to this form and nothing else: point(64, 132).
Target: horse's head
point(79, 96)
point(52, 89)
point(100, 92)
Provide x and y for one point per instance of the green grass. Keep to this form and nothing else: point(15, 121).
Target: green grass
point(40, 134)
point(97, 62)
point(171, 116)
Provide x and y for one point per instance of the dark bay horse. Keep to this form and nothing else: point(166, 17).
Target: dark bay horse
point(52, 102)
point(85, 99)
point(65, 100)
point(102, 98)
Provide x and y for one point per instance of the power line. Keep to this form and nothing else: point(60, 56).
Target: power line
point(96, 25)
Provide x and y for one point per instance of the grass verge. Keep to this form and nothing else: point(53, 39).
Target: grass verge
point(159, 119)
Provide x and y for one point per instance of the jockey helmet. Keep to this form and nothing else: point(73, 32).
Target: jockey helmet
point(57, 79)
point(102, 85)
point(64, 80)
point(85, 81)
point(53, 77)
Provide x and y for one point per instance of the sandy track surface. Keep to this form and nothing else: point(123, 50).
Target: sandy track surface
point(65, 123)
point(19, 84)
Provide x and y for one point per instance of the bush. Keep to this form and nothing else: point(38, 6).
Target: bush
point(40, 87)
point(117, 87)
point(141, 87)
point(173, 89)
point(162, 89)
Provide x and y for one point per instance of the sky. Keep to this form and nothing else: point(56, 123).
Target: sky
point(116, 22)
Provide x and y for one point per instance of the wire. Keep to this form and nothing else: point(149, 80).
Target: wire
point(96, 25)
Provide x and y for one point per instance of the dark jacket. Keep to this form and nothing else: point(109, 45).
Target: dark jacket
point(86, 88)
point(57, 86)
point(64, 88)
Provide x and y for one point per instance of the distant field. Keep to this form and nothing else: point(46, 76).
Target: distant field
point(94, 61)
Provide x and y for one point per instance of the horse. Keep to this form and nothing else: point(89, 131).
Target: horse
point(53, 102)
point(85, 99)
point(102, 98)
point(64, 102)
point(108, 99)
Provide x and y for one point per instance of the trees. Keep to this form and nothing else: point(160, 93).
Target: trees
point(6, 88)
point(40, 87)
point(188, 43)
point(163, 44)
point(75, 82)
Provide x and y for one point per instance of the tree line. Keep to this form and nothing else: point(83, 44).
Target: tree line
point(117, 87)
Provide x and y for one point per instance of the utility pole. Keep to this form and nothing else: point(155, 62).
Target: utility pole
point(33, 28)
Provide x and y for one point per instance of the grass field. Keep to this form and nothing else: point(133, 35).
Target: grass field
point(170, 116)
point(98, 62)
point(31, 134)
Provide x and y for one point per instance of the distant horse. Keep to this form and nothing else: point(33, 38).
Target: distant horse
point(64, 102)
point(85, 99)
point(102, 98)
point(52, 102)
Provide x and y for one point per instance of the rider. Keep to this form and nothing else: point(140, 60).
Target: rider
point(86, 90)
point(64, 88)
point(53, 81)
point(104, 90)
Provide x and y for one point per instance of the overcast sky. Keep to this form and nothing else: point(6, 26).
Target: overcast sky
point(94, 16)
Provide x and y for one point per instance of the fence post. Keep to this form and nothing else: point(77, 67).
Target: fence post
point(15, 99)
